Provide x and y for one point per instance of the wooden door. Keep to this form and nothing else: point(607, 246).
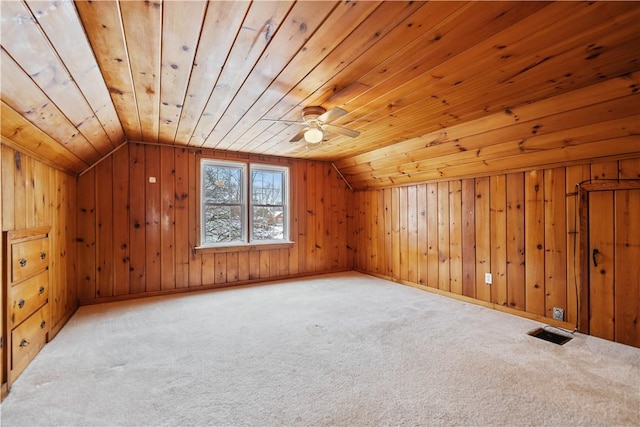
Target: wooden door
point(614, 265)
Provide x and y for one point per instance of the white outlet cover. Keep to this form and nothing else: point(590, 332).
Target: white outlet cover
point(487, 278)
point(152, 179)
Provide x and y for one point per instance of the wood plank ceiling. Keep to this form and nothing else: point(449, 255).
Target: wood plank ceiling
point(437, 89)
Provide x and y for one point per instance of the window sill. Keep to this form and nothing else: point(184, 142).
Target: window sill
point(243, 248)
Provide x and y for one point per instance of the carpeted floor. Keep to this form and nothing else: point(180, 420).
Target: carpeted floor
point(340, 349)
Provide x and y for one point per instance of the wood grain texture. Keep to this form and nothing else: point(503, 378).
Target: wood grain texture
point(24, 96)
point(483, 237)
point(444, 267)
point(602, 271)
point(438, 90)
point(21, 37)
point(627, 268)
point(260, 25)
point(555, 242)
point(515, 278)
point(455, 237)
point(142, 25)
point(158, 239)
point(107, 39)
point(498, 220)
point(468, 238)
point(179, 46)
point(20, 133)
point(520, 227)
point(55, 207)
point(534, 241)
point(104, 217)
point(68, 38)
point(121, 238)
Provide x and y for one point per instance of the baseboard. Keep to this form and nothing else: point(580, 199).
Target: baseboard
point(251, 282)
point(494, 306)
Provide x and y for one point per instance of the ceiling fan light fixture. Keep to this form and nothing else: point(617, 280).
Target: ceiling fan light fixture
point(313, 136)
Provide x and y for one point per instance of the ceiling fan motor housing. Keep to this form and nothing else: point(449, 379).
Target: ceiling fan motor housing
point(310, 114)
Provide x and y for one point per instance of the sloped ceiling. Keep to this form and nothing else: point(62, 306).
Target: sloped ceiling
point(417, 78)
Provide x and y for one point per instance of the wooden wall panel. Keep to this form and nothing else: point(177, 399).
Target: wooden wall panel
point(498, 222)
point(555, 242)
point(443, 236)
point(483, 238)
point(104, 228)
point(152, 227)
point(395, 232)
point(136, 226)
point(195, 258)
point(23, 192)
point(455, 237)
point(310, 200)
point(515, 241)
point(181, 209)
point(121, 253)
point(412, 233)
point(167, 219)
point(153, 251)
point(86, 239)
point(403, 233)
point(318, 196)
point(34, 195)
point(534, 242)
point(468, 238)
point(386, 196)
point(423, 245)
point(380, 234)
point(432, 235)
point(522, 227)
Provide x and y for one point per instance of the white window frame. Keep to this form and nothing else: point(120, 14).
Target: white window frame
point(243, 201)
point(285, 201)
point(247, 205)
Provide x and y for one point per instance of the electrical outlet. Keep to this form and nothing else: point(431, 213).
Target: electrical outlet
point(487, 278)
point(558, 313)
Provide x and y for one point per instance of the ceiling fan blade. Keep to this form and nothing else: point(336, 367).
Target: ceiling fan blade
point(341, 130)
point(331, 115)
point(298, 136)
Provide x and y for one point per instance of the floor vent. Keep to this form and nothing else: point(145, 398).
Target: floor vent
point(546, 335)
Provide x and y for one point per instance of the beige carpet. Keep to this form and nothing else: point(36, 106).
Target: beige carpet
point(341, 349)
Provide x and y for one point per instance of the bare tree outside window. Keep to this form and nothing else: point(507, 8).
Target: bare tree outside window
point(233, 203)
point(267, 204)
point(222, 203)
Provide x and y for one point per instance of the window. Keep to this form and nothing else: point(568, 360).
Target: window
point(243, 204)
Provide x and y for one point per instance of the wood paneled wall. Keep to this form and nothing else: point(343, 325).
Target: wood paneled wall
point(521, 227)
point(136, 238)
point(34, 195)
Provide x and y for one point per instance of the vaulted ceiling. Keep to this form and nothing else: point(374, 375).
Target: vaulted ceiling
point(436, 89)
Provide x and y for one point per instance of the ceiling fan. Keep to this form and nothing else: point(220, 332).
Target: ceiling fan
point(317, 122)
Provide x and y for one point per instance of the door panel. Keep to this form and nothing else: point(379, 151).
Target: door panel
point(601, 270)
point(627, 267)
point(614, 265)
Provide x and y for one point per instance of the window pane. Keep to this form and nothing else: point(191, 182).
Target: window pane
point(222, 223)
point(268, 223)
point(267, 187)
point(222, 184)
point(227, 218)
